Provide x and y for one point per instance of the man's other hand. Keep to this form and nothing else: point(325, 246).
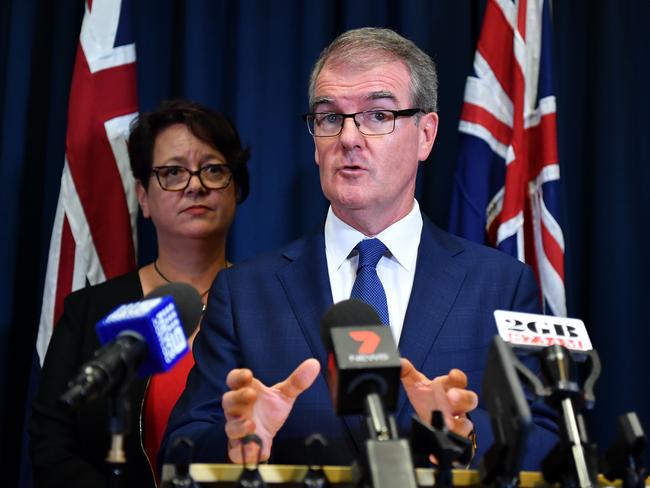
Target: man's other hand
point(446, 393)
point(250, 407)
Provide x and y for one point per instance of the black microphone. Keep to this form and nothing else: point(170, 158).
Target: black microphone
point(146, 336)
point(188, 303)
point(363, 374)
point(362, 357)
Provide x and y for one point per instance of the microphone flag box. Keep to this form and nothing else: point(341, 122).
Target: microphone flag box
point(154, 321)
point(364, 360)
point(537, 331)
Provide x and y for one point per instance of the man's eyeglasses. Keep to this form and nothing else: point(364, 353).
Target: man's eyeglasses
point(177, 178)
point(369, 122)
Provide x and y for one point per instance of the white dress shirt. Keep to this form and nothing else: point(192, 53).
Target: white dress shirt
point(396, 269)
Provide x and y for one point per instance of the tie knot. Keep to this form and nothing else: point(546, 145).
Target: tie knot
point(370, 252)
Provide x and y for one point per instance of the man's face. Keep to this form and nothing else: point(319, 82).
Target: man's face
point(370, 177)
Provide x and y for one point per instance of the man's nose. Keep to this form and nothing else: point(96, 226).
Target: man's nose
point(350, 135)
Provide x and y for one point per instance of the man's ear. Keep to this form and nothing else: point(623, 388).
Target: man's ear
point(143, 198)
point(428, 130)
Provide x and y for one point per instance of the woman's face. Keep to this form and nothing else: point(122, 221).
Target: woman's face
point(195, 212)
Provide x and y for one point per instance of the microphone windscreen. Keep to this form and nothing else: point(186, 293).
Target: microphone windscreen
point(187, 300)
point(347, 313)
point(158, 320)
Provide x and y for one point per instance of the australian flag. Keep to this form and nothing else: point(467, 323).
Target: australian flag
point(507, 190)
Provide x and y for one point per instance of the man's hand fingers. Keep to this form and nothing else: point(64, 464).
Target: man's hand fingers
point(409, 375)
point(301, 378)
point(251, 452)
point(238, 403)
point(455, 379)
point(238, 428)
point(239, 378)
point(461, 401)
point(461, 425)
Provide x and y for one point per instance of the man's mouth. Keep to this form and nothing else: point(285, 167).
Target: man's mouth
point(351, 169)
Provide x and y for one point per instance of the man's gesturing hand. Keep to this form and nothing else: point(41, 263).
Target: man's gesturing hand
point(445, 393)
point(251, 407)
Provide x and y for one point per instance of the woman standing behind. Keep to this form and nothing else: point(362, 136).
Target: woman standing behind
point(190, 171)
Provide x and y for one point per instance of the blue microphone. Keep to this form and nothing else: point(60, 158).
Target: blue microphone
point(146, 336)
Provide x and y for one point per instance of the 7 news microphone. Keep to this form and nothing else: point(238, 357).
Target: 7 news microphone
point(363, 374)
point(146, 336)
point(362, 357)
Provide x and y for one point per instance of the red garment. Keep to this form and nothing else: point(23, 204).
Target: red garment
point(159, 400)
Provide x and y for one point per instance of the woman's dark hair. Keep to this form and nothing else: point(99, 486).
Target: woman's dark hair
point(205, 124)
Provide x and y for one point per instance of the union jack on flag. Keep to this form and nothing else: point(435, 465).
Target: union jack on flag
point(507, 190)
point(94, 232)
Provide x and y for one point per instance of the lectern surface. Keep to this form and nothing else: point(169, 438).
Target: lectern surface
point(225, 475)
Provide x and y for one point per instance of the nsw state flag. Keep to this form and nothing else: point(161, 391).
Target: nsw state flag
point(506, 190)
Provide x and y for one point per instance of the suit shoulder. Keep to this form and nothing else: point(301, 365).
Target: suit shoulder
point(277, 258)
point(473, 253)
point(483, 252)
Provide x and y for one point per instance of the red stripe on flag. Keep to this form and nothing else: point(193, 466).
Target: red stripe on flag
point(530, 253)
point(493, 228)
point(516, 186)
point(553, 251)
point(521, 17)
point(542, 145)
point(496, 34)
point(478, 115)
point(66, 268)
point(108, 93)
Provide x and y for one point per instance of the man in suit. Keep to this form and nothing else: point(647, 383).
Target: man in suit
point(259, 354)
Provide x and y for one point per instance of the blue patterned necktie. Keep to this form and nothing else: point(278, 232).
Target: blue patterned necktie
point(367, 287)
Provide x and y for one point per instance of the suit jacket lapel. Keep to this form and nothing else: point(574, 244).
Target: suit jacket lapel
point(307, 286)
point(438, 279)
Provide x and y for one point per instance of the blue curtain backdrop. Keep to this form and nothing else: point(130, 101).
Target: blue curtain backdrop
point(251, 60)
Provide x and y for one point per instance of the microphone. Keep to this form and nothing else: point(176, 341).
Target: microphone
point(363, 374)
point(146, 336)
point(510, 414)
point(561, 344)
point(362, 357)
point(187, 300)
point(534, 332)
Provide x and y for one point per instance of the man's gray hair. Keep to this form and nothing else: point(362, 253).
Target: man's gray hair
point(363, 48)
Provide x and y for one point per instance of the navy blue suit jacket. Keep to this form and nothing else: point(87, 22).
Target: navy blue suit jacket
point(265, 315)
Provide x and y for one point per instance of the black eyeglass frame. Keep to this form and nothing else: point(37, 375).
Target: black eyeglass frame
point(157, 169)
point(407, 112)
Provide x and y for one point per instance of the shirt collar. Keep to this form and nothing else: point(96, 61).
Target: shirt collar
point(401, 238)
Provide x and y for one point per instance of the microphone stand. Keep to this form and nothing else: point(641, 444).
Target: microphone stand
point(510, 414)
point(623, 458)
point(181, 453)
point(573, 461)
point(447, 447)
point(387, 462)
point(118, 427)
